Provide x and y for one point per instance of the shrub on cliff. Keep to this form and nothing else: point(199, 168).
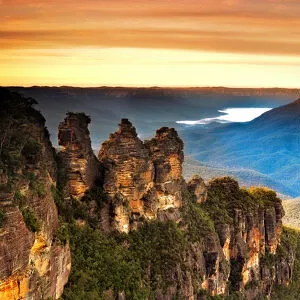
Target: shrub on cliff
point(31, 221)
point(2, 218)
point(31, 148)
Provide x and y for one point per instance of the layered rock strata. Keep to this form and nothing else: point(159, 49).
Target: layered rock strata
point(250, 242)
point(142, 179)
point(79, 167)
point(32, 264)
point(166, 151)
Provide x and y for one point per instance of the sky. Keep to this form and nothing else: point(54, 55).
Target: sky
point(235, 43)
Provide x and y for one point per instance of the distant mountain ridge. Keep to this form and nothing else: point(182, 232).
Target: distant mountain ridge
point(269, 144)
point(231, 147)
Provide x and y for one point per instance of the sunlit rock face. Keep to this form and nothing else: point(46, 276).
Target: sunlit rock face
point(79, 167)
point(32, 264)
point(145, 177)
point(128, 175)
point(129, 169)
point(166, 151)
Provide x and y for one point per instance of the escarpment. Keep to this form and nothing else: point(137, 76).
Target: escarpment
point(150, 234)
point(230, 237)
point(33, 265)
point(249, 226)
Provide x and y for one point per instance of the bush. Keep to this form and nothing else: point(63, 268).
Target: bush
point(31, 148)
point(38, 188)
point(62, 235)
point(2, 218)
point(95, 194)
point(31, 221)
point(19, 198)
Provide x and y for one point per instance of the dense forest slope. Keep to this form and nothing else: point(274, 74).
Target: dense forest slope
point(136, 228)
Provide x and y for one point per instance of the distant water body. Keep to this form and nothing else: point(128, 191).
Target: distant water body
point(229, 115)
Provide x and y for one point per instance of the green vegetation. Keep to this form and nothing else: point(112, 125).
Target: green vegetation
point(225, 196)
point(197, 219)
point(36, 186)
point(31, 221)
point(20, 199)
point(102, 265)
point(62, 235)
point(31, 148)
point(159, 247)
point(136, 263)
point(2, 218)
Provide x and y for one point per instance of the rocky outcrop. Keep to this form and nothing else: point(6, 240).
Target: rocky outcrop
point(79, 167)
point(166, 151)
point(32, 264)
point(250, 242)
point(129, 171)
point(142, 179)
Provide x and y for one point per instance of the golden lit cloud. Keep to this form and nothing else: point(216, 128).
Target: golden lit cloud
point(98, 42)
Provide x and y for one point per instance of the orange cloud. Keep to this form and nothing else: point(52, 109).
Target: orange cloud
point(265, 27)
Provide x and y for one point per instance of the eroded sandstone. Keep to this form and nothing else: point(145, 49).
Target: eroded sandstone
point(79, 167)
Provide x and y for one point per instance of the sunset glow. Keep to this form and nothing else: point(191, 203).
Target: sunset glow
point(239, 43)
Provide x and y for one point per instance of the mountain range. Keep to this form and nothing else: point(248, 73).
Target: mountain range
point(262, 152)
point(268, 145)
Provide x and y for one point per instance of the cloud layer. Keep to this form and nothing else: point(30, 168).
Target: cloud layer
point(262, 28)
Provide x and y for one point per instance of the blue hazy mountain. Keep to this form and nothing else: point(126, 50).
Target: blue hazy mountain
point(270, 145)
point(147, 108)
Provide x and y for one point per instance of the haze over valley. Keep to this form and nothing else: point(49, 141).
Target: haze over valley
point(261, 152)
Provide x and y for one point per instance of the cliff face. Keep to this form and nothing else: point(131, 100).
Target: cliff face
point(32, 264)
point(250, 237)
point(79, 167)
point(240, 254)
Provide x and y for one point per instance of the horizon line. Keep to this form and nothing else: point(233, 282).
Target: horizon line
point(149, 87)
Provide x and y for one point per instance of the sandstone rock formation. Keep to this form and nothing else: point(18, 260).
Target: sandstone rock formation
point(32, 264)
point(252, 239)
point(145, 180)
point(166, 151)
point(146, 177)
point(79, 167)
